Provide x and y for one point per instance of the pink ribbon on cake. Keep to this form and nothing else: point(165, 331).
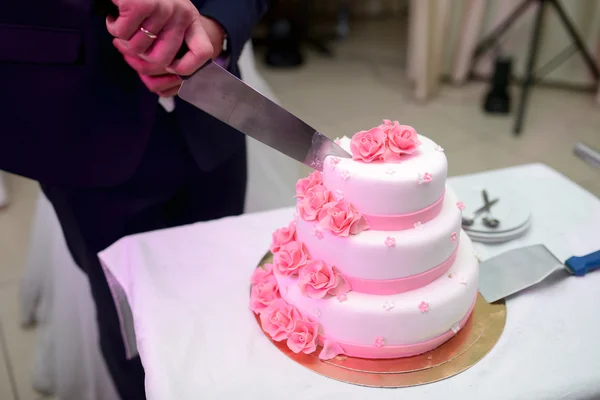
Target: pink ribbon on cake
point(394, 286)
point(404, 221)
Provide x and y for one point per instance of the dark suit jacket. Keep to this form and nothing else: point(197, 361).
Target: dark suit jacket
point(72, 112)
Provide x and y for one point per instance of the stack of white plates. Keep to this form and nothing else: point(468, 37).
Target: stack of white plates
point(511, 210)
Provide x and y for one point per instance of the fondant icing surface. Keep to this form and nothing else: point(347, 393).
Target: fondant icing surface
point(389, 188)
point(399, 319)
point(368, 256)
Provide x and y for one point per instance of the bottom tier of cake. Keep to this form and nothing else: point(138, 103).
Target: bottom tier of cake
point(393, 326)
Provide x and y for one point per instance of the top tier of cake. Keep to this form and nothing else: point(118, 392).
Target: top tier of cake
point(410, 184)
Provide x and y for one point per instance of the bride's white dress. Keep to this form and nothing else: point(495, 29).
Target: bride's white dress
point(56, 294)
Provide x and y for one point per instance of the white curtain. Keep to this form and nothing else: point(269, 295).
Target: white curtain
point(56, 294)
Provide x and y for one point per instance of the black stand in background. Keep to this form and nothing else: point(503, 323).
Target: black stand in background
point(528, 80)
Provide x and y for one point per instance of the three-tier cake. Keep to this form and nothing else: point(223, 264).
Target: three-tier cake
point(375, 264)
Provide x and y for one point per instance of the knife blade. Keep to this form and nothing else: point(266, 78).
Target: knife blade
point(221, 94)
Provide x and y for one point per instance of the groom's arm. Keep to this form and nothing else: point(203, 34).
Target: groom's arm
point(237, 17)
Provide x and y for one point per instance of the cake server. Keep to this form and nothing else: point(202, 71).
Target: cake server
point(518, 269)
point(215, 91)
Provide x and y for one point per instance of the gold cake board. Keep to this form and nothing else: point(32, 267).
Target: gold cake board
point(469, 346)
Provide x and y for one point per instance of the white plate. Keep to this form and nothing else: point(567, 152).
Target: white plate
point(498, 237)
point(511, 210)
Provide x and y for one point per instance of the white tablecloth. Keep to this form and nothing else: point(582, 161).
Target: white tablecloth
point(188, 290)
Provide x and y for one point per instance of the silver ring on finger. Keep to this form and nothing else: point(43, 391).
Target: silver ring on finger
point(148, 33)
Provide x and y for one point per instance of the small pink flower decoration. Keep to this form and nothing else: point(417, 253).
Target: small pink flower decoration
point(339, 194)
point(315, 178)
point(312, 202)
point(316, 232)
point(342, 297)
point(427, 177)
point(379, 342)
point(278, 320)
point(317, 313)
point(390, 241)
point(263, 295)
point(418, 225)
point(335, 160)
point(283, 236)
point(318, 279)
point(424, 307)
point(263, 274)
point(455, 328)
point(460, 205)
point(368, 146)
point(345, 175)
point(303, 338)
point(291, 258)
point(341, 219)
point(402, 139)
point(453, 237)
point(330, 350)
point(388, 305)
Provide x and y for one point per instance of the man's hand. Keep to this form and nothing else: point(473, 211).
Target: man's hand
point(155, 77)
point(173, 22)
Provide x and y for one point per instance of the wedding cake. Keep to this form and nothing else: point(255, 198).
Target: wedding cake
point(374, 264)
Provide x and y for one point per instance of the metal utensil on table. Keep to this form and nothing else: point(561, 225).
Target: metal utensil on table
point(469, 220)
point(588, 154)
point(518, 269)
point(222, 95)
point(488, 219)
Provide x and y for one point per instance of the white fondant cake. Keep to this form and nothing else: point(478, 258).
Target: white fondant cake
point(375, 264)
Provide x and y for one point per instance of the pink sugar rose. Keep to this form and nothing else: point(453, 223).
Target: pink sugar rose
point(314, 179)
point(261, 275)
point(330, 350)
point(401, 139)
point(368, 145)
point(304, 337)
point(317, 279)
point(342, 219)
point(263, 295)
point(283, 236)
point(290, 258)
point(279, 319)
point(314, 199)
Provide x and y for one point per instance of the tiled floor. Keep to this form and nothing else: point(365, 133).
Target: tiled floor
point(355, 90)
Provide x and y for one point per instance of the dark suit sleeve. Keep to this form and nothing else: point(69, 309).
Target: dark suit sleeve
point(238, 18)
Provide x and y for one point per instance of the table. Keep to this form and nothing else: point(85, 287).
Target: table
point(187, 289)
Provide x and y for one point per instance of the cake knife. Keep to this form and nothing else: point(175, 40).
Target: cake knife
point(222, 95)
point(215, 91)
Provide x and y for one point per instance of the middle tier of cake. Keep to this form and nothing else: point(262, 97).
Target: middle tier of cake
point(401, 259)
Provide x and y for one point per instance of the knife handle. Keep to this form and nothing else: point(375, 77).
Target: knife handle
point(107, 7)
point(579, 266)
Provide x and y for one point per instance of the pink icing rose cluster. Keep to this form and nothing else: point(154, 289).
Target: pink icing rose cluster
point(316, 279)
point(316, 203)
point(282, 321)
point(386, 142)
